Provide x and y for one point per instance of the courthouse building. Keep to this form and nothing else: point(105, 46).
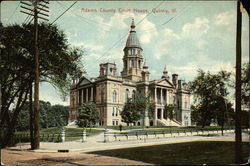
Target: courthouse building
point(110, 91)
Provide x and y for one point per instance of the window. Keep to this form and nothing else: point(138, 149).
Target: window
point(114, 96)
point(113, 113)
point(133, 51)
point(113, 122)
point(138, 52)
point(117, 123)
point(125, 64)
point(116, 113)
point(102, 96)
point(185, 104)
point(126, 95)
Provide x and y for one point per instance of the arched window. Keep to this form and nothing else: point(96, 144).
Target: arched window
point(102, 96)
point(114, 96)
point(185, 104)
point(126, 95)
point(133, 51)
point(117, 112)
point(113, 113)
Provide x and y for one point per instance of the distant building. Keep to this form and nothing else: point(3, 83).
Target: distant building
point(110, 91)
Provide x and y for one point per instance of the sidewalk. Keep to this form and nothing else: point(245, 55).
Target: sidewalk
point(95, 143)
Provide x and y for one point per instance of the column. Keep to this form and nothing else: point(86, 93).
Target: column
point(87, 95)
point(170, 98)
point(77, 95)
point(166, 96)
point(161, 97)
point(92, 94)
point(155, 95)
point(161, 113)
point(82, 96)
point(155, 117)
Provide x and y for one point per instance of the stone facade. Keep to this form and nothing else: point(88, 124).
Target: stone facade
point(110, 91)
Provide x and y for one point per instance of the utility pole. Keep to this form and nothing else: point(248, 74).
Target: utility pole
point(34, 12)
point(36, 83)
point(238, 134)
point(1, 46)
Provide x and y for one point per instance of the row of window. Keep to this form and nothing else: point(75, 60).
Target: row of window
point(126, 95)
point(115, 111)
point(132, 63)
point(133, 51)
point(115, 122)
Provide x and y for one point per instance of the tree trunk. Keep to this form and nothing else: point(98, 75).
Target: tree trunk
point(31, 118)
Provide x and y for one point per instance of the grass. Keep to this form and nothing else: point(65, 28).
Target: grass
point(168, 129)
point(53, 134)
point(191, 153)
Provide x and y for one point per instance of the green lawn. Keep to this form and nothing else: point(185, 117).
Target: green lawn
point(167, 129)
point(53, 134)
point(192, 153)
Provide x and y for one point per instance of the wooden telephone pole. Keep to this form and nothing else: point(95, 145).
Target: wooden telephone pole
point(238, 135)
point(35, 143)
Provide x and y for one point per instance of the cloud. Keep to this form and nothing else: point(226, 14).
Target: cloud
point(89, 46)
point(225, 18)
point(147, 29)
point(196, 29)
point(169, 33)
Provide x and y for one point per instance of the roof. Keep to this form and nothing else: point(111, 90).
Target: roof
point(132, 40)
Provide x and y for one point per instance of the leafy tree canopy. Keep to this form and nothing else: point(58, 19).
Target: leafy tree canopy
point(58, 64)
point(135, 108)
point(87, 115)
point(170, 110)
point(210, 92)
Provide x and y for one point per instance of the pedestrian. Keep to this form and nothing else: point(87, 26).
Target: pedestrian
point(120, 127)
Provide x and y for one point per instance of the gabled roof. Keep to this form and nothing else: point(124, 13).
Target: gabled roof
point(162, 82)
point(84, 80)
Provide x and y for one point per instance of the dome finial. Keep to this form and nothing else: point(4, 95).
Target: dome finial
point(165, 69)
point(145, 66)
point(133, 24)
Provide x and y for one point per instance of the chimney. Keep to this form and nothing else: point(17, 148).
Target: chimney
point(179, 84)
point(174, 79)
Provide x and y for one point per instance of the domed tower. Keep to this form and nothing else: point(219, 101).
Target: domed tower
point(132, 59)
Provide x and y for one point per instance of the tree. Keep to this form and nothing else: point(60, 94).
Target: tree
point(17, 68)
point(170, 111)
point(50, 116)
point(222, 110)
point(58, 116)
point(245, 84)
point(207, 89)
point(87, 115)
point(134, 108)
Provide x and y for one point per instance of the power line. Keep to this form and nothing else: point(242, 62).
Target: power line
point(126, 33)
point(14, 11)
point(166, 22)
point(64, 12)
point(86, 20)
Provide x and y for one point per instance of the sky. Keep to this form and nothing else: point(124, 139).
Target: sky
point(184, 36)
